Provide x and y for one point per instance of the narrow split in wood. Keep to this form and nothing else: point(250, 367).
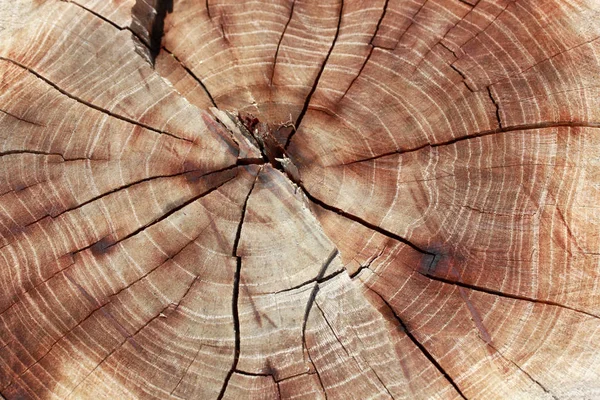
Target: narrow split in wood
point(299, 199)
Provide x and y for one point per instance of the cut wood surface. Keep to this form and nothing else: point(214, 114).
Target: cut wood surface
point(300, 199)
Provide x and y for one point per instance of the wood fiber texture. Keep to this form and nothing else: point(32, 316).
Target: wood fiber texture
point(300, 199)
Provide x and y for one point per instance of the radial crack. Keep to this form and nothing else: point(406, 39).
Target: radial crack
point(522, 127)
point(316, 371)
point(505, 295)
point(316, 82)
point(166, 215)
point(483, 31)
point(525, 372)
point(22, 119)
point(570, 234)
point(95, 14)
point(412, 20)
point(169, 258)
point(280, 40)
point(148, 21)
point(550, 58)
point(127, 186)
point(91, 105)
point(458, 71)
point(73, 254)
point(50, 348)
point(363, 222)
point(351, 355)
point(367, 265)
point(489, 90)
point(193, 76)
point(158, 24)
point(186, 370)
point(419, 345)
point(313, 280)
point(468, 3)
point(236, 291)
point(126, 338)
point(313, 294)
point(162, 8)
point(104, 245)
point(129, 337)
point(372, 47)
point(475, 316)
point(42, 153)
point(247, 373)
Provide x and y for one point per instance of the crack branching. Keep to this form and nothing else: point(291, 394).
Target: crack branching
point(367, 265)
point(92, 105)
point(458, 71)
point(105, 245)
point(129, 185)
point(350, 355)
point(169, 213)
point(372, 47)
point(316, 82)
point(154, 45)
point(419, 345)
point(313, 294)
point(313, 280)
point(236, 291)
point(506, 295)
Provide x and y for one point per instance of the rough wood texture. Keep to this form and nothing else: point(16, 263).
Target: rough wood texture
point(302, 199)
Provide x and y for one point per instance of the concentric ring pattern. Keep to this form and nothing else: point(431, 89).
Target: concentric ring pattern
point(300, 199)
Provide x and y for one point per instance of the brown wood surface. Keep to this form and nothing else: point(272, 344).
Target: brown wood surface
point(300, 199)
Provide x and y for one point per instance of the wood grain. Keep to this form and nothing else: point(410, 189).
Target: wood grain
point(299, 199)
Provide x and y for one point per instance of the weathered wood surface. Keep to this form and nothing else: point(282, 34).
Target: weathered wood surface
point(309, 199)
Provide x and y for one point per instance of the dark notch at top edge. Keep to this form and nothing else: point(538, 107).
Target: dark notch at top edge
point(149, 22)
